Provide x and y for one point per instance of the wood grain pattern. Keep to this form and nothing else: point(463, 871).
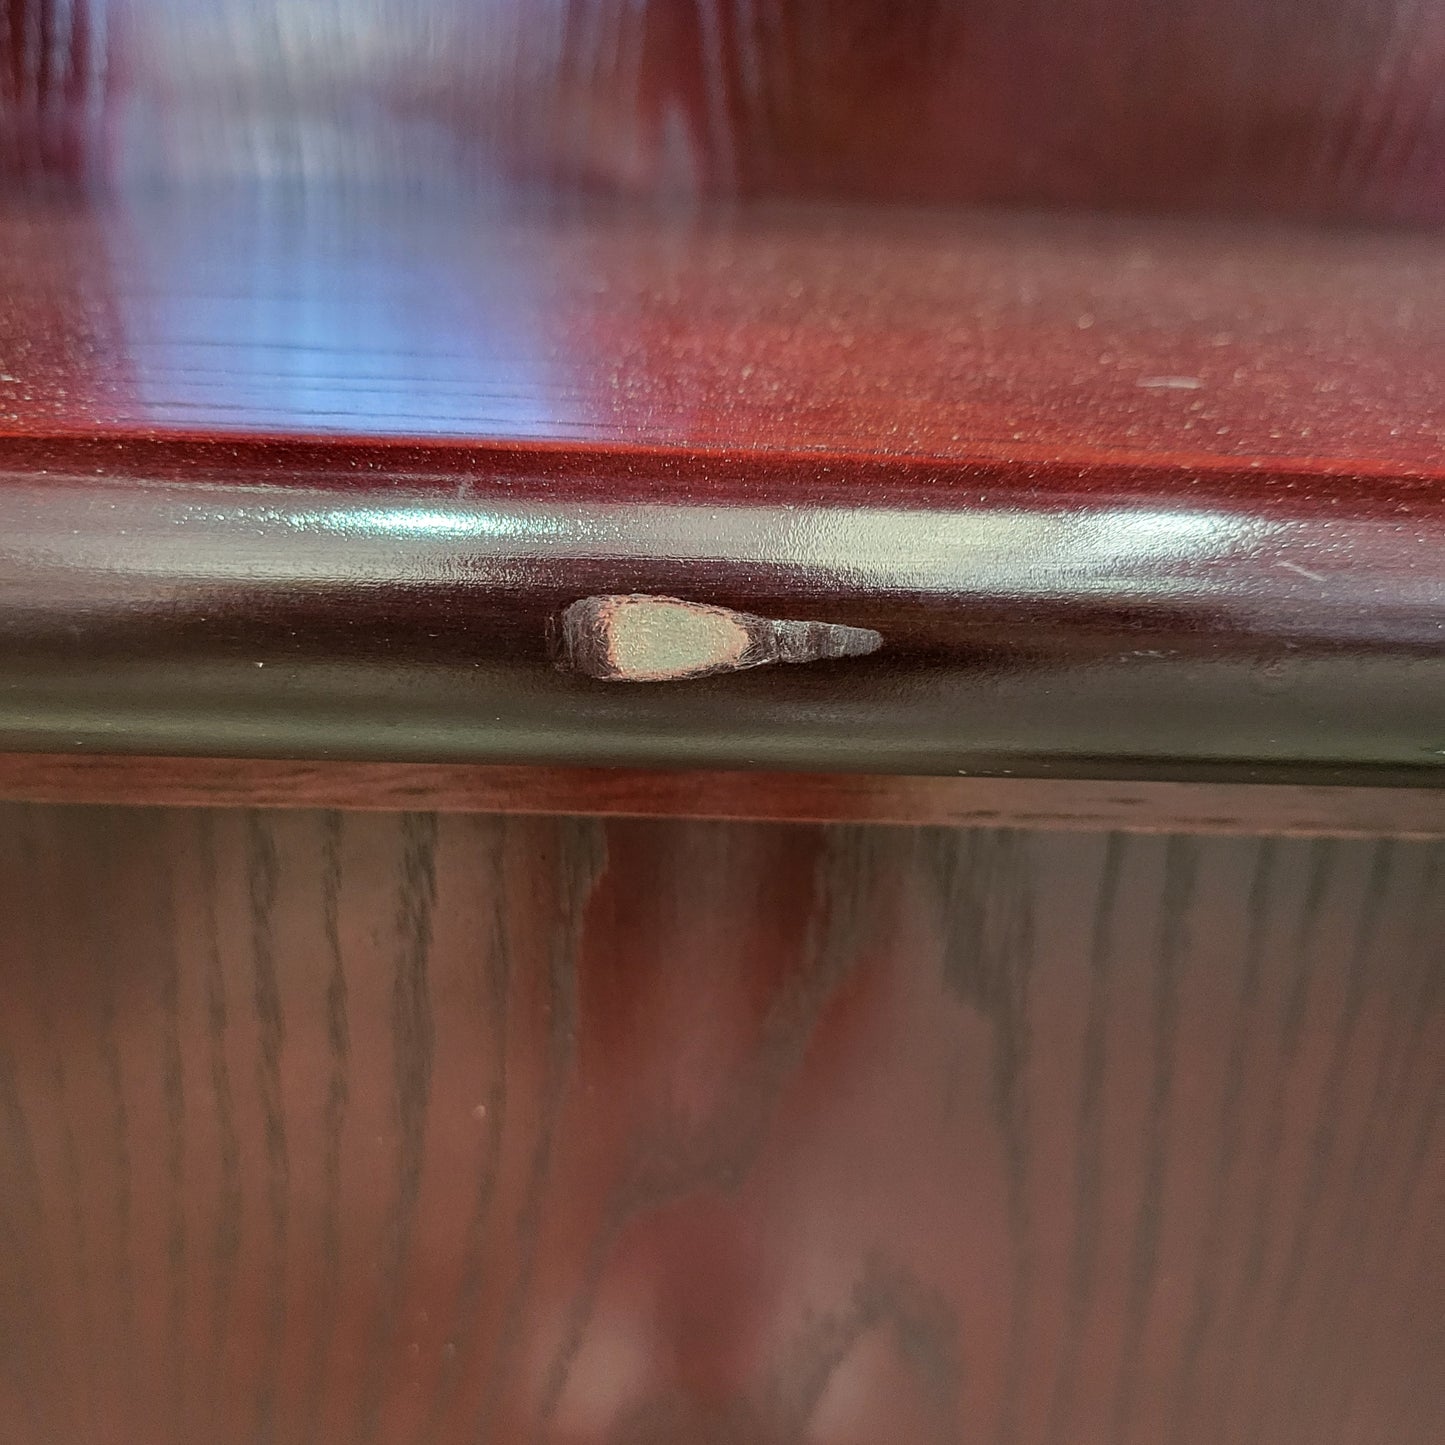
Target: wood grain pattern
point(1332, 810)
point(54, 81)
point(417, 1128)
point(1264, 106)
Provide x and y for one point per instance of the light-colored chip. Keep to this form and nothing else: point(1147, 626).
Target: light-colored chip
point(654, 639)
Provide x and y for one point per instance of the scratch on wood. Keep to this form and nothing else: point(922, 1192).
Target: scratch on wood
point(641, 638)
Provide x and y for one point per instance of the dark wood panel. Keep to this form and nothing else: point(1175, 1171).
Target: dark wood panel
point(325, 1127)
point(1055, 803)
point(1320, 107)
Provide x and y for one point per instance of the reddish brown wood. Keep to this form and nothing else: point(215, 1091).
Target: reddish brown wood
point(1204, 808)
point(201, 601)
point(1274, 106)
point(981, 437)
point(844, 333)
point(347, 1128)
point(428, 1127)
point(55, 85)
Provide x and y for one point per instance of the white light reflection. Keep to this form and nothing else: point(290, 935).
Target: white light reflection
point(921, 550)
point(1009, 552)
point(399, 521)
point(214, 535)
point(312, 310)
point(1139, 551)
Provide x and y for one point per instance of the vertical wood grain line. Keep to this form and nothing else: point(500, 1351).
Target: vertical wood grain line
point(338, 1093)
point(747, 27)
point(1420, 152)
point(632, 25)
point(582, 861)
point(1259, 1214)
point(715, 52)
point(590, 51)
point(1010, 891)
point(173, 1095)
point(1089, 1132)
point(1325, 1129)
point(413, 1052)
point(496, 973)
point(1327, 1119)
point(45, 962)
point(101, 841)
point(61, 25)
point(226, 1244)
point(1420, 1140)
point(986, 906)
point(1181, 862)
point(1380, 100)
point(262, 878)
point(1242, 1030)
point(32, 48)
point(1377, 1140)
point(562, 122)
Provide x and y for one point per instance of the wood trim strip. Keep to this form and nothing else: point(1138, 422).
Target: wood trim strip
point(1087, 805)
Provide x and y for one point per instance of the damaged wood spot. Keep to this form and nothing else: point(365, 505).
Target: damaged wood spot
point(640, 638)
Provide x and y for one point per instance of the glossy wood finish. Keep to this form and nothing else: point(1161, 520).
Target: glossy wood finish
point(323, 393)
point(1123, 499)
point(1073, 804)
point(1274, 106)
point(338, 1128)
point(846, 333)
point(1035, 625)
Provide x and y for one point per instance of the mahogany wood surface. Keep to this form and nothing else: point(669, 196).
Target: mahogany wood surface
point(313, 473)
point(343, 345)
point(349, 1127)
point(1057, 803)
point(1260, 106)
point(351, 310)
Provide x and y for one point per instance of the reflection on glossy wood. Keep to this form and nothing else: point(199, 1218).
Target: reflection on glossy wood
point(1124, 498)
point(845, 334)
point(411, 1128)
point(225, 600)
point(54, 63)
point(1251, 105)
